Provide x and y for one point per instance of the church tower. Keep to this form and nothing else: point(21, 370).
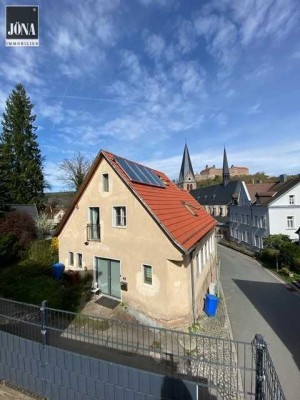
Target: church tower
point(226, 174)
point(187, 180)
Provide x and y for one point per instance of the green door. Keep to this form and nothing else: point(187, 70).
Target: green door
point(108, 276)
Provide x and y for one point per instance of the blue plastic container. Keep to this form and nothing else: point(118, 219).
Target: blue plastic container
point(58, 270)
point(211, 305)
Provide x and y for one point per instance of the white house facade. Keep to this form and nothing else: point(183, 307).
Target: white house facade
point(265, 209)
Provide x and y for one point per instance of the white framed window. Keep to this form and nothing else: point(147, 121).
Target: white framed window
point(93, 228)
point(242, 218)
point(257, 241)
point(105, 183)
point(290, 222)
point(291, 199)
point(71, 258)
point(199, 263)
point(256, 220)
point(79, 260)
point(119, 216)
point(247, 219)
point(263, 221)
point(147, 274)
point(248, 237)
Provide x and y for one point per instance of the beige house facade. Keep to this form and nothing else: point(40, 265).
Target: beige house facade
point(115, 230)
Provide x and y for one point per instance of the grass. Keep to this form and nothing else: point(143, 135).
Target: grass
point(82, 321)
point(32, 283)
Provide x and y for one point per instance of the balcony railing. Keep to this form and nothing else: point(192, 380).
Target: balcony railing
point(93, 232)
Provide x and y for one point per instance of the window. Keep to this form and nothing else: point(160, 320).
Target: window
point(93, 228)
point(290, 222)
point(105, 183)
point(119, 216)
point(292, 199)
point(148, 274)
point(263, 222)
point(244, 236)
point(221, 211)
point(71, 258)
point(257, 241)
point(242, 218)
point(79, 260)
point(247, 219)
point(197, 264)
point(248, 237)
point(256, 221)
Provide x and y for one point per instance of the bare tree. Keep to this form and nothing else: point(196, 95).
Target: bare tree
point(74, 170)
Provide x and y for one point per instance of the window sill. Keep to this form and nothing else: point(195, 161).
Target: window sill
point(120, 226)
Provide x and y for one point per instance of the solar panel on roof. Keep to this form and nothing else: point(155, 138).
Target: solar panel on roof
point(139, 173)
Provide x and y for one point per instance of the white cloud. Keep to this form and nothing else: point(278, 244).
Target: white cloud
point(191, 78)
point(296, 55)
point(221, 37)
point(81, 36)
point(163, 3)
point(255, 109)
point(22, 66)
point(155, 45)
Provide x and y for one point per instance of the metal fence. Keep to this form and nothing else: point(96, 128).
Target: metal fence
point(227, 369)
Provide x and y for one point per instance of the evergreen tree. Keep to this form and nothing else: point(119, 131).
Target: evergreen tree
point(23, 180)
point(3, 194)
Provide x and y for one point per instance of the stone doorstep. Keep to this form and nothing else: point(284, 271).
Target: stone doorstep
point(11, 392)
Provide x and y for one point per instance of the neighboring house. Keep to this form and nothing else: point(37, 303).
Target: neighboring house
point(29, 209)
point(149, 244)
point(187, 180)
point(265, 209)
point(217, 198)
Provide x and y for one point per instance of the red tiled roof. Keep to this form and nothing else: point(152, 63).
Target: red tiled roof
point(254, 188)
point(181, 216)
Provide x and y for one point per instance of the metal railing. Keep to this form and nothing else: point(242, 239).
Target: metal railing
point(230, 369)
point(93, 232)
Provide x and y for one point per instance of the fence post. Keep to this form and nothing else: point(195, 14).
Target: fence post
point(260, 347)
point(44, 321)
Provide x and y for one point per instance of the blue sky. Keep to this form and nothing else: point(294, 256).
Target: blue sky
point(139, 77)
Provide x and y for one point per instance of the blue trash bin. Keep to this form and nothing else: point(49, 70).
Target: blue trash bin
point(211, 304)
point(58, 270)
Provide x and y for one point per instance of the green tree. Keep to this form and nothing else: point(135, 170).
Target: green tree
point(276, 241)
point(23, 179)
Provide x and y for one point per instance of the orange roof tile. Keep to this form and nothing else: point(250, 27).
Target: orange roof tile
point(181, 216)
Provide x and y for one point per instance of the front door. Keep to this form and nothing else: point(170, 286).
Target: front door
point(108, 276)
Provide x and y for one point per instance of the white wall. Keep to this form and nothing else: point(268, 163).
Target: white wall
point(281, 208)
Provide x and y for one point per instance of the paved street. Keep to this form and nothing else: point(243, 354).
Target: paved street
point(258, 303)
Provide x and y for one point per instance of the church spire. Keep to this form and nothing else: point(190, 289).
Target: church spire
point(187, 178)
point(226, 174)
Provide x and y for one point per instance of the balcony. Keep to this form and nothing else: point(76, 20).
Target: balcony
point(93, 232)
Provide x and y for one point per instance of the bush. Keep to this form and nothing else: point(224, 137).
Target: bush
point(21, 225)
point(42, 253)
point(276, 241)
point(9, 249)
point(296, 265)
point(288, 252)
point(32, 283)
point(269, 255)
